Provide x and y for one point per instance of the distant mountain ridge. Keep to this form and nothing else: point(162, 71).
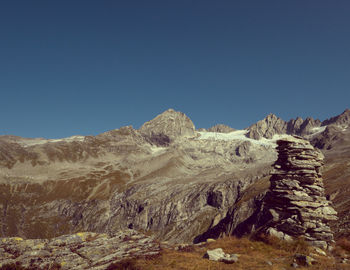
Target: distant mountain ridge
point(166, 177)
point(271, 125)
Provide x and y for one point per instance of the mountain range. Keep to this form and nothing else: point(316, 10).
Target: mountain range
point(167, 178)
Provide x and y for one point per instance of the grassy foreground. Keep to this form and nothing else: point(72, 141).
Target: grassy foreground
point(268, 253)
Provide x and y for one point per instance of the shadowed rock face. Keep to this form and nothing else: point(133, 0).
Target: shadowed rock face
point(296, 204)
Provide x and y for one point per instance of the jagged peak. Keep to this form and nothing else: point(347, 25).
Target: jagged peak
point(271, 115)
point(267, 127)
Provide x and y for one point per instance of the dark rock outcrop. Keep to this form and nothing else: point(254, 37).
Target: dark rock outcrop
point(296, 204)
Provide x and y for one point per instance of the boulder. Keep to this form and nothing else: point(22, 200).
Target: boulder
point(220, 256)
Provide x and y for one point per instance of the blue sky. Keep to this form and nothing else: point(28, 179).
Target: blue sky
point(85, 67)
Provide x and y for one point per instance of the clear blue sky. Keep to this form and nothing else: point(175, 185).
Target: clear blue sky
point(85, 67)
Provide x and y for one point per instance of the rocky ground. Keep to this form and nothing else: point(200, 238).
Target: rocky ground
point(84, 250)
point(133, 250)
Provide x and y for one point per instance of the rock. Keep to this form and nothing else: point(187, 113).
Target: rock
point(320, 251)
point(83, 250)
point(342, 119)
point(267, 127)
point(294, 207)
point(279, 234)
point(243, 149)
point(294, 265)
point(124, 179)
point(221, 129)
point(302, 127)
point(344, 260)
point(211, 240)
point(171, 124)
point(304, 260)
point(220, 256)
point(269, 263)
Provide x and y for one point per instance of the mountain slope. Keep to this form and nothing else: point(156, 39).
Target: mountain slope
point(165, 178)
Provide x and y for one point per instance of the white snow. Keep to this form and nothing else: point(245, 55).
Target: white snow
point(239, 135)
point(69, 139)
point(317, 130)
point(31, 142)
point(157, 149)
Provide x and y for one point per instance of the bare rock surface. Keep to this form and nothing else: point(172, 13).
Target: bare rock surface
point(221, 128)
point(272, 125)
point(171, 124)
point(267, 128)
point(83, 250)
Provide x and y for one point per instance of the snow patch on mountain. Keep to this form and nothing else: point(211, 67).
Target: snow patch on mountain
point(31, 142)
point(240, 135)
point(317, 130)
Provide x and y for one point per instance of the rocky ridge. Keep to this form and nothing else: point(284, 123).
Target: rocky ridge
point(295, 204)
point(272, 125)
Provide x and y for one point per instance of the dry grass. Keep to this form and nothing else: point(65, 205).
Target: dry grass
point(269, 254)
point(344, 243)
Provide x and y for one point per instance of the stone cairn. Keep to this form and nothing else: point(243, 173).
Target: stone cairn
point(295, 204)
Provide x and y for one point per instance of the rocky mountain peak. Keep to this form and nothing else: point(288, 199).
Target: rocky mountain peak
point(341, 120)
point(170, 123)
point(302, 127)
point(267, 127)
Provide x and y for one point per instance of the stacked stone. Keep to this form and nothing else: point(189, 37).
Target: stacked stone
point(296, 204)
